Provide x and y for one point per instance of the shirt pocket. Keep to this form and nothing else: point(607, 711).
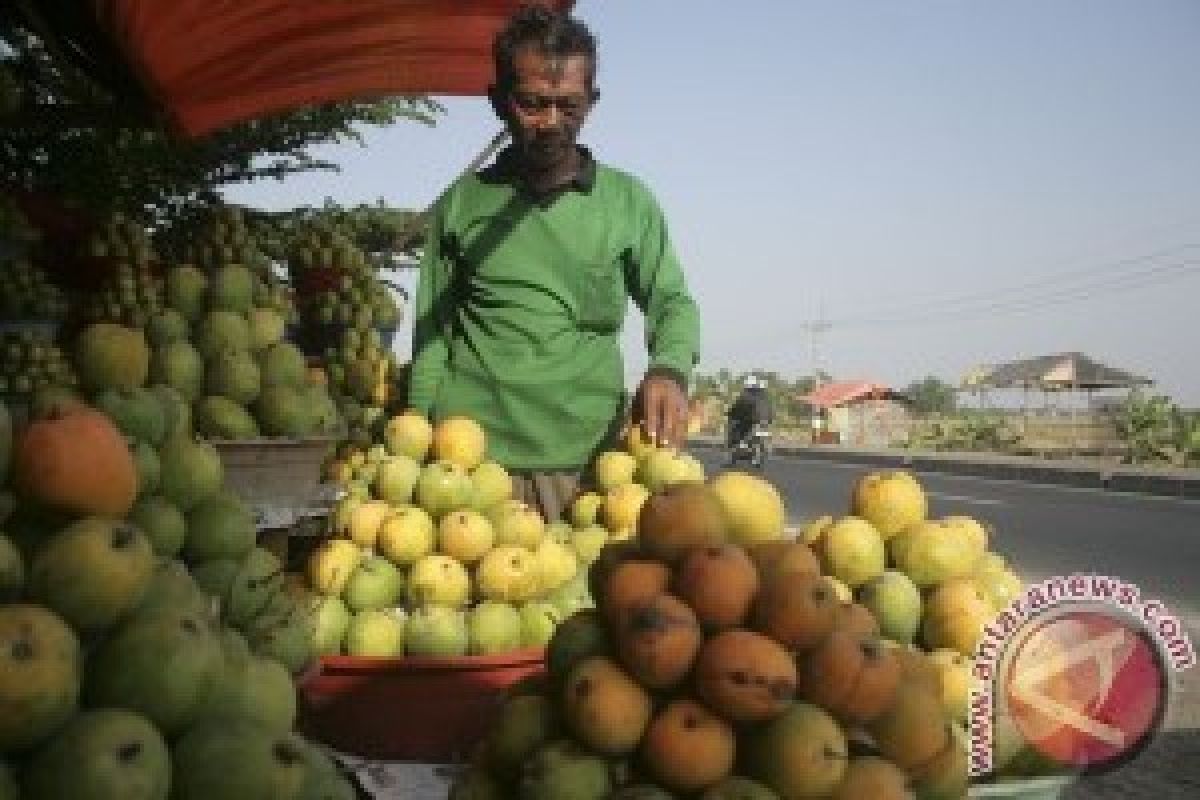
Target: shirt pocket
point(600, 298)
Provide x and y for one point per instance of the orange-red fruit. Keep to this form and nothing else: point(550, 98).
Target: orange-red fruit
point(76, 460)
point(745, 676)
point(678, 518)
point(853, 677)
point(917, 669)
point(687, 748)
point(631, 582)
point(856, 618)
point(796, 609)
point(605, 708)
point(657, 640)
point(611, 556)
point(782, 555)
point(872, 778)
point(719, 583)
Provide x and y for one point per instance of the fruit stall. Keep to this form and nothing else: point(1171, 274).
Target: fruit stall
point(234, 564)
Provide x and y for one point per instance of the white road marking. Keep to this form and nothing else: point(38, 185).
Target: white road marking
point(962, 498)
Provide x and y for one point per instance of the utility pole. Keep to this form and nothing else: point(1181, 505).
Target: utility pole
point(813, 329)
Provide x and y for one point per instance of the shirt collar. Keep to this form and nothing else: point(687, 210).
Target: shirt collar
point(504, 170)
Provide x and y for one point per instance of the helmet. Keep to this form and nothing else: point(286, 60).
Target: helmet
point(750, 382)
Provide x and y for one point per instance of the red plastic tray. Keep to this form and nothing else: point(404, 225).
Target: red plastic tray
point(409, 709)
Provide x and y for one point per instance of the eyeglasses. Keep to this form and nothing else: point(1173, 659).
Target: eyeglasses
point(568, 105)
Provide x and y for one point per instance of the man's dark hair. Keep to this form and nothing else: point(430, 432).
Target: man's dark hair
point(552, 33)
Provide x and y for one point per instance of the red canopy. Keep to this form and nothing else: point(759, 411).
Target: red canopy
point(210, 63)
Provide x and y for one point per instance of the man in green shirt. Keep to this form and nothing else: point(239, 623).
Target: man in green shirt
point(527, 272)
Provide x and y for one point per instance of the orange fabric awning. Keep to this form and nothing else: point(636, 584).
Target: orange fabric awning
point(211, 63)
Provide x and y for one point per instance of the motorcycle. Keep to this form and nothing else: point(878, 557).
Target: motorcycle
point(753, 446)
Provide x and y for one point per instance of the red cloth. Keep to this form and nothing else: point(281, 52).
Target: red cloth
point(210, 63)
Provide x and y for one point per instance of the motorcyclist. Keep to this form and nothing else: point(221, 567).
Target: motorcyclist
point(752, 407)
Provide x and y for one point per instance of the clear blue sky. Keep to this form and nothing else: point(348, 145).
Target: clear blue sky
point(903, 168)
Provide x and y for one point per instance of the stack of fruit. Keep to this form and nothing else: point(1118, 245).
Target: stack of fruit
point(721, 663)
point(131, 296)
point(226, 354)
point(122, 240)
point(623, 480)
point(219, 236)
point(363, 375)
point(932, 581)
point(118, 677)
point(31, 361)
point(341, 287)
point(433, 556)
point(27, 293)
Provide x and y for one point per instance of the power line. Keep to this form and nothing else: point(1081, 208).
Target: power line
point(1086, 290)
point(1089, 272)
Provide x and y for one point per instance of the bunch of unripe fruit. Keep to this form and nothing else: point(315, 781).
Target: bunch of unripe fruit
point(432, 555)
point(121, 239)
point(30, 361)
point(27, 293)
point(363, 372)
point(131, 296)
point(140, 652)
point(720, 670)
point(348, 292)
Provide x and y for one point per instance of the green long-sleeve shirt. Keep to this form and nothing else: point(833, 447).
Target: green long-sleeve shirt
point(520, 305)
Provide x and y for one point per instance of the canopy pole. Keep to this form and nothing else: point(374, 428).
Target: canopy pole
point(406, 234)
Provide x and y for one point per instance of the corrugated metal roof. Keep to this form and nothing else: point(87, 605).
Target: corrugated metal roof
point(839, 393)
point(1061, 371)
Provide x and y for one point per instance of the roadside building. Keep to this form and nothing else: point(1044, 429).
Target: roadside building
point(858, 413)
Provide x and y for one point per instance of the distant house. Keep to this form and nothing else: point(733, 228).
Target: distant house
point(859, 413)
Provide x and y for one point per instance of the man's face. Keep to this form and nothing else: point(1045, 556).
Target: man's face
point(546, 105)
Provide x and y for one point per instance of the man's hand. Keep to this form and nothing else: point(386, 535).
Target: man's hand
point(661, 407)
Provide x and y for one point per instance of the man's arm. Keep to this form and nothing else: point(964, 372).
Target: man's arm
point(430, 347)
point(657, 285)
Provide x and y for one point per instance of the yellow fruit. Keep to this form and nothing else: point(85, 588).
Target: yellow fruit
point(812, 530)
point(460, 440)
point(622, 505)
point(891, 501)
point(753, 507)
point(614, 468)
point(408, 434)
point(999, 586)
point(508, 574)
point(954, 680)
point(519, 525)
point(970, 529)
point(332, 564)
point(934, 554)
point(406, 535)
point(555, 564)
point(852, 551)
point(365, 521)
point(465, 535)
